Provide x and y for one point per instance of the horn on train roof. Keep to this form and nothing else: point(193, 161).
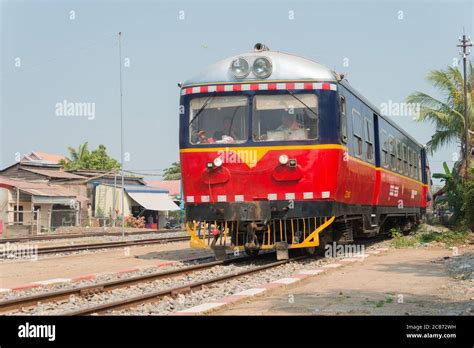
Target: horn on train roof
point(259, 47)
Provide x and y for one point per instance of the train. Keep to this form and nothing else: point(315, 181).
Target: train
point(279, 152)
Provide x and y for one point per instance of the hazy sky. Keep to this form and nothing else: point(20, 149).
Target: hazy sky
point(50, 55)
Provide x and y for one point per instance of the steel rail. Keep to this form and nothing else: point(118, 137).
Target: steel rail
point(156, 295)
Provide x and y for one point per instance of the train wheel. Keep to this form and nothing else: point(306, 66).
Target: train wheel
point(309, 251)
point(252, 252)
point(325, 238)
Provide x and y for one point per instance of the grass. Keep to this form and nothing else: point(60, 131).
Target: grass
point(421, 237)
point(380, 303)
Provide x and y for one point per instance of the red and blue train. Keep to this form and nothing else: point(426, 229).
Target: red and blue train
point(280, 152)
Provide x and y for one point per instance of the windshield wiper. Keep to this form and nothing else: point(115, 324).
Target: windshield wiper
point(298, 99)
point(202, 108)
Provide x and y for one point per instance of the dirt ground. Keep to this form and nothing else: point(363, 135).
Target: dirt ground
point(412, 281)
point(15, 273)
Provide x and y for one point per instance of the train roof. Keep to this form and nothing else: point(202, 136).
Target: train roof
point(285, 67)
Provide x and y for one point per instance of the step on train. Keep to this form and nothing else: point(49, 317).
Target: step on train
point(280, 152)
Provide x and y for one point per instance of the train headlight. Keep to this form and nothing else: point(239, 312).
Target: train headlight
point(218, 161)
point(262, 67)
point(240, 68)
point(283, 159)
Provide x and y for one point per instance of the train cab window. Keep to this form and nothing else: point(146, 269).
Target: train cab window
point(393, 160)
point(368, 140)
point(285, 117)
point(358, 132)
point(220, 120)
point(405, 159)
point(385, 155)
point(399, 156)
point(342, 110)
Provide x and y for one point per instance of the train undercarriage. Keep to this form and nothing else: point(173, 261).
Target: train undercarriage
point(252, 227)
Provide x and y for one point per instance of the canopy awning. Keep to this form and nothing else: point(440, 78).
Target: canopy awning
point(54, 200)
point(153, 201)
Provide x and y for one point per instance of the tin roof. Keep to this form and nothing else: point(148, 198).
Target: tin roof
point(57, 174)
point(174, 186)
point(36, 188)
point(285, 67)
point(43, 157)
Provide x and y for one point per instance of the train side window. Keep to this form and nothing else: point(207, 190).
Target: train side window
point(385, 155)
point(419, 167)
point(342, 110)
point(368, 140)
point(393, 163)
point(399, 156)
point(415, 166)
point(405, 159)
point(357, 129)
point(410, 162)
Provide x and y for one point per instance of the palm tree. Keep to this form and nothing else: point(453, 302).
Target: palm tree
point(448, 114)
point(78, 157)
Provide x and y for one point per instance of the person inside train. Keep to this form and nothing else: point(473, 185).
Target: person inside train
point(228, 128)
point(288, 123)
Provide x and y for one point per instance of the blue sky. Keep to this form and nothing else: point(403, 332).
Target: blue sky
point(389, 53)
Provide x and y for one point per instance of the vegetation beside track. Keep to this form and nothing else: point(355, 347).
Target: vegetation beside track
point(426, 234)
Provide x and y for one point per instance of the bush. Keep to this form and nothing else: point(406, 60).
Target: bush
point(400, 241)
point(449, 238)
point(131, 221)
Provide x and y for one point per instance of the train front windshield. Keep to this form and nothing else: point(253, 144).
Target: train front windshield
point(216, 119)
point(277, 117)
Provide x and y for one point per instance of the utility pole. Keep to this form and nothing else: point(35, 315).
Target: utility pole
point(465, 42)
point(121, 134)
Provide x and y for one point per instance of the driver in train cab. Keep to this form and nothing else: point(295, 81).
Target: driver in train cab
point(203, 139)
point(288, 123)
point(227, 129)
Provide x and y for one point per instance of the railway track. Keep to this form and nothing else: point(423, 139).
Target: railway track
point(108, 245)
point(80, 235)
point(16, 304)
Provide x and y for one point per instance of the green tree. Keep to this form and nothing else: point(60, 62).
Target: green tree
point(447, 114)
point(173, 172)
point(453, 191)
point(82, 158)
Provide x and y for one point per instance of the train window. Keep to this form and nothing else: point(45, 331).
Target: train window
point(220, 120)
point(399, 156)
point(368, 139)
point(285, 117)
point(405, 159)
point(393, 162)
point(358, 131)
point(419, 167)
point(410, 162)
point(415, 166)
point(385, 155)
point(342, 110)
